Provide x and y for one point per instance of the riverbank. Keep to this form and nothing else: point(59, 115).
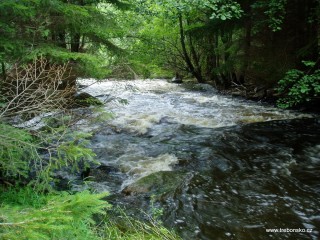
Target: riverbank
point(270, 96)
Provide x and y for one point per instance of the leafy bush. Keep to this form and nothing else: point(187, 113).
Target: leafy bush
point(24, 196)
point(298, 86)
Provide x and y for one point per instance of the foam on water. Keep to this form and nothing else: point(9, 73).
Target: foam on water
point(137, 166)
point(36, 122)
point(148, 101)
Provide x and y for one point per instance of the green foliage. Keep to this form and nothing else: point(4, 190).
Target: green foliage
point(121, 226)
point(275, 11)
point(87, 65)
point(66, 149)
point(276, 14)
point(22, 197)
point(34, 216)
point(101, 115)
point(90, 101)
point(298, 86)
point(228, 42)
point(155, 211)
point(61, 31)
point(219, 9)
point(223, 10)
point(14, 14)
point(156, 52)
point(61, 216)
point(17, 147)
point(74, 150)
point(20, 153)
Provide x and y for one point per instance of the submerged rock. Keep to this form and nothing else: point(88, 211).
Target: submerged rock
point(176, 80)
point(158, 183)
point(84, 99)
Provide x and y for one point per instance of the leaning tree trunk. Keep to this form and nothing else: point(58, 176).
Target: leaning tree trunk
point(187, 58)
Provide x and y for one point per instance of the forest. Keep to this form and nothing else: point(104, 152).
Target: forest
point(252, 45)
point(259, 50)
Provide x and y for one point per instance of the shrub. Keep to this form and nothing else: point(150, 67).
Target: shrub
point(61, 216)
point(21, 161)
point(25, 215)
point(17, 147)
point(299, 87)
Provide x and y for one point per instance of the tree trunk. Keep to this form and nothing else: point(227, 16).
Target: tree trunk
point(318, 27)
point(83, 42)
point(187, 59)
point(247, 43)
point(62, 40)
point(246, 49)
point(75, 42)
point(4, 73)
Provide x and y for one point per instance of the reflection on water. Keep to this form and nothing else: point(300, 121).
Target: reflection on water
point(221, 168)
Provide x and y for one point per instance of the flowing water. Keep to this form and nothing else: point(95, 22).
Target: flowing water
point(218, 167)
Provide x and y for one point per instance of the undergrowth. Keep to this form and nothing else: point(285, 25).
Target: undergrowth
point(27, 215)
point(30, 207)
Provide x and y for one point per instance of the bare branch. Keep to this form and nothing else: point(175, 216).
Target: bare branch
point(36, 87)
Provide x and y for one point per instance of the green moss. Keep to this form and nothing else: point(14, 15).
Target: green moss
point(157, 184)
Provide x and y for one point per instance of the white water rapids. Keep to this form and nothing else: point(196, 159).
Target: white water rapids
point(139, 105)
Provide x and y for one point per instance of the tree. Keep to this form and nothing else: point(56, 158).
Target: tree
point(60, 30)
point(176, 26)
point(247, 43)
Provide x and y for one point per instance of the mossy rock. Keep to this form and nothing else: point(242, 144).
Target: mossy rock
point(158, 183)
point(85, 100)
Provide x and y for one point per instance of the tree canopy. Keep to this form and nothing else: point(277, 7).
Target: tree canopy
point(61, 30)
point(252, 43)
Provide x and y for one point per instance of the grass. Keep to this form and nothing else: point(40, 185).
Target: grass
point(25, 214)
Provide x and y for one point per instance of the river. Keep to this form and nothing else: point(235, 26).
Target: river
point(218, 167)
